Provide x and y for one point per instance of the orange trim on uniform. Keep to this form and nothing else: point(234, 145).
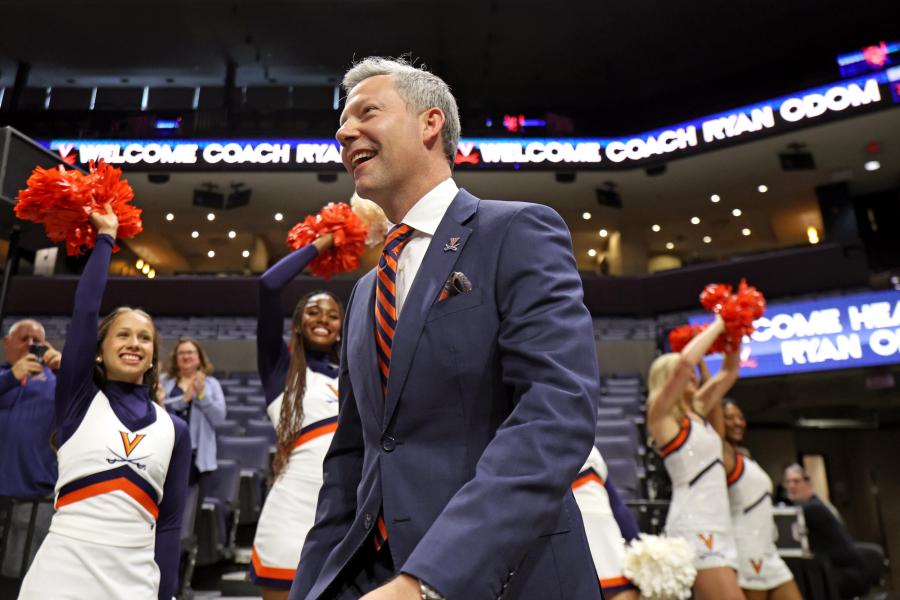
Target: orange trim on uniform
point(738, 469)
point(614, 582)
point(679, 440)
point(104, 487)
point(270, 572)
point(586, 478)
point(315, 433)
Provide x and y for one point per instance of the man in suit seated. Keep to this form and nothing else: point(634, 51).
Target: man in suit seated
point(468, 382)
point(827, 535)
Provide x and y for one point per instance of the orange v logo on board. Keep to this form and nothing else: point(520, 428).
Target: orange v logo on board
point(707, 540)
point(757, 565)
point(130, 444)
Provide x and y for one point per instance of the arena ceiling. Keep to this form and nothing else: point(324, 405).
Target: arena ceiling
point(633, 66)
point(623, 67)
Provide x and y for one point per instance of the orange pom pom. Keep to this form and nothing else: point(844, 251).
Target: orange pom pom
point(61, 201)
point(680, 336)
point(738, 311)
point(349, 233)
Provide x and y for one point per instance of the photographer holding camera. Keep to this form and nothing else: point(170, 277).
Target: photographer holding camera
point(28, 467)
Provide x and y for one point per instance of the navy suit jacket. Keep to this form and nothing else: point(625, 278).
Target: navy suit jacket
point(490, 411)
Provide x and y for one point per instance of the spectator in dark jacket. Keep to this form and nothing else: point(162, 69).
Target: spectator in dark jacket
point(27, 462)
point(827, 535)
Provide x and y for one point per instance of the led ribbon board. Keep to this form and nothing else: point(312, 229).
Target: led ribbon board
point(844, 332)
point(842, 99)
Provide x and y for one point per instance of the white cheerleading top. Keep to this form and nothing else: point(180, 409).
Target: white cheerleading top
point(693, 460)
point(320, 410)
point(750, 495)
point(111, 479)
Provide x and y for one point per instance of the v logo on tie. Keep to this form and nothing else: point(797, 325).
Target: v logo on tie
point(131, 444)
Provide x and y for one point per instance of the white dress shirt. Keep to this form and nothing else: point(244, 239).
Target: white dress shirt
point(424, 217)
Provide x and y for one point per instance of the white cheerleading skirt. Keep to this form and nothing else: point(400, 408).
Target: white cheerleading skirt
point(761, 568)
point(66, 568)
point(287, 516)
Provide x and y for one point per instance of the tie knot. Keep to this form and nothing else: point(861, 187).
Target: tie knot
point(397, 238)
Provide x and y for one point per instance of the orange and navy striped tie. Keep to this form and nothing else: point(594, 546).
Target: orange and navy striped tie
point(386, 297)
point(386, 322)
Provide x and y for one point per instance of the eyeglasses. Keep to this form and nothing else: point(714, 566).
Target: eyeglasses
point(186, 352)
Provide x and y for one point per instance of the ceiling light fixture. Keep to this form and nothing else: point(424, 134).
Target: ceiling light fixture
point(872, 165)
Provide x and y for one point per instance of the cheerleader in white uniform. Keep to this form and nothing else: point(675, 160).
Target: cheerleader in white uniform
point(301, 388)
point(692, 453)
point(608, 524)
point(123, 461)
point(761, 572)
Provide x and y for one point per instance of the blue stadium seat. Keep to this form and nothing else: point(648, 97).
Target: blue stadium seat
point(262, 428)
point(255, 400)
point(217, 520)
point(610, 412)
point(229, 427)
point(624, 474)
point(242, 413)
point(252, 454)
point(619, 427)
point(617, 447)
point(632, 405)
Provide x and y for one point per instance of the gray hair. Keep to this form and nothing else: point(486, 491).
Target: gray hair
point(797, 468)
point(420, 89)
point(20, 322)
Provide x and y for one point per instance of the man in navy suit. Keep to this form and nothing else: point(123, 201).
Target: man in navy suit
point(468, 382)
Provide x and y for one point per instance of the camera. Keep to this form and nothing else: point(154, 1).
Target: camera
point(38, 350)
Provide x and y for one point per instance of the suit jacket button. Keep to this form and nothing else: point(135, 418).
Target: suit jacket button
point(367, 521)
point(388, 443)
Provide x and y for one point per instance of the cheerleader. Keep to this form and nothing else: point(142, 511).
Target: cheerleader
point(609, 525)
point(692, 453)
point(761, 572)
point(300, 384)
point(123, 461)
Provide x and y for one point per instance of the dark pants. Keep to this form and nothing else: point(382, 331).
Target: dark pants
point(367, 570)
point(850, 582)
point(18, 515)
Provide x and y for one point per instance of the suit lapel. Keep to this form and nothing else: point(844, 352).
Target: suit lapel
point(362, 353)
point(436, 267)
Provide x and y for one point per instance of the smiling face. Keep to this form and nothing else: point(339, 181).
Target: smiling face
point(381, 140)
point(797, 485)
point(127, 348)
point(188, 357)
point(735, 425)
point(320, 323)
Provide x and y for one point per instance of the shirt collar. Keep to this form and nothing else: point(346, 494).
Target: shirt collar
point(427, 213)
